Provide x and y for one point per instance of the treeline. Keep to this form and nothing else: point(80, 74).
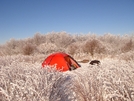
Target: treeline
point(90, 44)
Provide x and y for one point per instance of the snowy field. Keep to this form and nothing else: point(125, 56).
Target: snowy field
point(23, 79)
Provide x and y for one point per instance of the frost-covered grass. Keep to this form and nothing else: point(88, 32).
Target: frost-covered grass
point(113, 80)
point(27, 81)
point(23, 79)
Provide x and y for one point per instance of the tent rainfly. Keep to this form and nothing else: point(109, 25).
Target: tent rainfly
point(62, 61)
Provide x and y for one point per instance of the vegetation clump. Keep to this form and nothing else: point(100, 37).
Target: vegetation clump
point(23, 79)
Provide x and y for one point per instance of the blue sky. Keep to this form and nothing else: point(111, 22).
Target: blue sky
point(23, 18)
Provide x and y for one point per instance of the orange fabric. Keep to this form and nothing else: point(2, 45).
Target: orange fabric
point(61, 60)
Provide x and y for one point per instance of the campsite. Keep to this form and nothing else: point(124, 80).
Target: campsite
point(22, 77)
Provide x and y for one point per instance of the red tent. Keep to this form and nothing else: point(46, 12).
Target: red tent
point(62, 61)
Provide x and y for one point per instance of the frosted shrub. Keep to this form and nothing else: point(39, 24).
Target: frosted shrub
point(73, 48)
point(64, 40)
point(61, 39)
point(47, 48)
point(28, 49)
point(127, 56)
point(128, 46)
point(93, 46)
point(12, 47)
point(38, 39)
